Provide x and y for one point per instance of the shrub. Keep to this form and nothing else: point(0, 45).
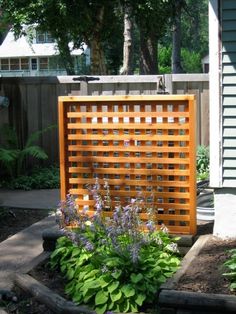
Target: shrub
point(191, 61)
point(38, 178)
point(114, 264)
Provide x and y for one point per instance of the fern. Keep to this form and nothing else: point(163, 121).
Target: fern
point(12, 156)
point(10, 137)
point(35, 136)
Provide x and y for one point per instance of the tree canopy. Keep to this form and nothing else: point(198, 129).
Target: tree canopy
point(99, 24)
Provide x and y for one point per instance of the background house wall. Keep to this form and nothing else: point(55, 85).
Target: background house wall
point(36, 54)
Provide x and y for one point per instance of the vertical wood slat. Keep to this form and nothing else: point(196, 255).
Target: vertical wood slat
point(62, 149)
point(192, 166)
point(141, 144)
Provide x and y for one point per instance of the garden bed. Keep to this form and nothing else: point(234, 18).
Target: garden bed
point(199, 287)
point(200, 281)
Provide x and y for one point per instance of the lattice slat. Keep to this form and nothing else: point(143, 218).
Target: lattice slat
point(142, 145)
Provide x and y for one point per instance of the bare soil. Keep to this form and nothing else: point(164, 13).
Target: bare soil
point(13, 220)
point(204, 275)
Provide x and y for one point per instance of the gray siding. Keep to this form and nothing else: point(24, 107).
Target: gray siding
point(229, 92)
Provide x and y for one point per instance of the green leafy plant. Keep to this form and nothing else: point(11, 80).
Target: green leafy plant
point(12, 154)
point(191, 61)
point(203, 161)
point(231, 265)
point(38, 178)
point(113, 264)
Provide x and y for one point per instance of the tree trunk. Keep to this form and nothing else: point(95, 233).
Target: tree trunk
point(98, 66)
point(176, 39)
point(148, 54)
point(127, 68)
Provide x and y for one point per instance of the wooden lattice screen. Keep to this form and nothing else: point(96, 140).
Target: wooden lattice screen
point(142, 145)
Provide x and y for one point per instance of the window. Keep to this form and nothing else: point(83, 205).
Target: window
point(49, 38)
point(24, 64)
point(43, 37)
point(34, 64)
point(14, 64)
point(40, 37)
point(5, 64)
point(43, 63)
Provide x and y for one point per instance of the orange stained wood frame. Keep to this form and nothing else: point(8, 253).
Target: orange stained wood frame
point(144, 146)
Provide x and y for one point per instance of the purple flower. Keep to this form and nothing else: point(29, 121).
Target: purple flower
point(150, 226)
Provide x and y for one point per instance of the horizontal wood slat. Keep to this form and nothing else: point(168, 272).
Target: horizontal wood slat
point(143, 146)
point(134, 171)
point(127, 126)
point(149, 149)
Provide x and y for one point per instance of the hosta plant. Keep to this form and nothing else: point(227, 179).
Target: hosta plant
point(114, 264)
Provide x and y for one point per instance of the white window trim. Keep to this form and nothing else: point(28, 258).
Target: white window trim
point(215, 96)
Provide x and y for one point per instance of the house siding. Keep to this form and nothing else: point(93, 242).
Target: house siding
point(228, 92)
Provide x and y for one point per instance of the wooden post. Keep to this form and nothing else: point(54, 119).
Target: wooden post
point(192, 166)
point(62, 141)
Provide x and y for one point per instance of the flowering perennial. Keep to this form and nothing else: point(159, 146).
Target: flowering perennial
point(112, 264)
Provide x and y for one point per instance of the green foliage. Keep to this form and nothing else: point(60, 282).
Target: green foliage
point(38, 178)
point(109, 282)
point(113, 264)
point(164, 58)
point(191, 61)
point(13, 155)
point(195, 26)
point(103, 24)
point(203, 160)
point(231, 265)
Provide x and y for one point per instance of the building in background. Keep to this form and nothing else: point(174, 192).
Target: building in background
point(36, 54)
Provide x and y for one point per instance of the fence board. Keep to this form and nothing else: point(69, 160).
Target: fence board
point(33, 100)
point(142, 145)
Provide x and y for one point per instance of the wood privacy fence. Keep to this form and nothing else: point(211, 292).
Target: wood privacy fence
point(142, 145)
point(33, 100)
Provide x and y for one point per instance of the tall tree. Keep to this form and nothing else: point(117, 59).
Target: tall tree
point(152, 17)
point(127, 67)
point(177, 7)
